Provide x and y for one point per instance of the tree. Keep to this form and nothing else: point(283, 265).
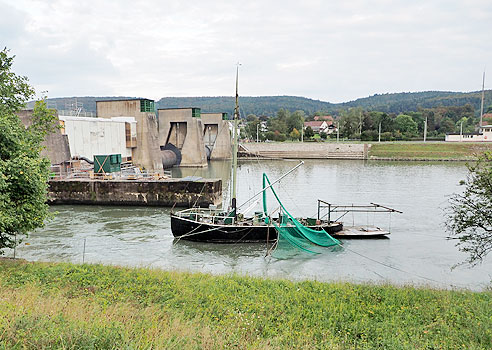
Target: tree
point(15, 90)
point(23, 173)
point(446, 125)
point(251, 128)
point(469, 215)
point(294, 134)
point(295, 121)
point(251, 118)
point(349, 122)
point(308, 132)
point(279, 123)
point(387, 123)
point(406, 124)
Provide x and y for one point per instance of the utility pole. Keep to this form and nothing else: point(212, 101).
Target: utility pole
point(257, 132)
point(483, 95)
point(302, 133)
point(338, 131)
point(461, 131)
point(379, 139)
point(360, 123)
point(425, 129)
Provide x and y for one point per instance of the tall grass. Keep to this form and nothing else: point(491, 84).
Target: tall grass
point(66, 306)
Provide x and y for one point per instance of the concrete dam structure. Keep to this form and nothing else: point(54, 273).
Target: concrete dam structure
point(147, 152)
point(150, 140)
point(199, 137)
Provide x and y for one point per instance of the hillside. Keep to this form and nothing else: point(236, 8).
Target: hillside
point(261, 105)
point(411, 101)
point(269, 105)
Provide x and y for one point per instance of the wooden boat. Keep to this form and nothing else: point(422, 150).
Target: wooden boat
point(208, 225)
point(229, 226)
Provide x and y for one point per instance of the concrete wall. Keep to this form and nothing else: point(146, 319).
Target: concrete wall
point(306, 150)
point(172, 123)
point(486, 136)
point(147, 154)
point(56, 145)
point(217, 135)
point(96, 136)
point(155, 193)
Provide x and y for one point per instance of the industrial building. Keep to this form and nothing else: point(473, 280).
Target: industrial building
point(484, 134)
point(132, 129)
point(147, 153)
point(94, 136)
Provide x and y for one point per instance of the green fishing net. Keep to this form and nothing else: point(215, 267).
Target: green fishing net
point(293, 237)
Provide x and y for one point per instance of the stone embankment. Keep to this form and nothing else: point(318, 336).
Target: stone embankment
point(305, 150)
point(166, 193)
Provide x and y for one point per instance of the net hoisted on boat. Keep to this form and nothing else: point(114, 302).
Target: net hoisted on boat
point(291, 231)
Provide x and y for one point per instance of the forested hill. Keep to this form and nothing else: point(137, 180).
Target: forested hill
point(261, 105)
point(269, 105)
point(411, 101)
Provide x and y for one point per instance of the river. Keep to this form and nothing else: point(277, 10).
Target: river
point(416, 253)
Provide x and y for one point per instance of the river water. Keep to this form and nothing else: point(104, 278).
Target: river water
point(416, 253)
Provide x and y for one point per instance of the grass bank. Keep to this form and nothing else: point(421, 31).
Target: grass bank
point(428, 150)
point(66, 306)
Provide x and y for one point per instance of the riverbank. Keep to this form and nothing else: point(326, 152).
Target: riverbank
point(402, 151)
point(95, 306)
point(447, 151)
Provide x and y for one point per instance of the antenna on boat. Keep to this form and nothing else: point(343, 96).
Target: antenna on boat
point(235, 146)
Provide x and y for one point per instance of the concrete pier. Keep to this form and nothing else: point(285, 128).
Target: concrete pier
point(305, 150)
point(165, 193)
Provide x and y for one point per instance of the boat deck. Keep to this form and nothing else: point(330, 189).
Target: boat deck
point(361, 232)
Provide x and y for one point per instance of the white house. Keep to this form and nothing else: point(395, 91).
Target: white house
point(484, 134)
point(319, 126)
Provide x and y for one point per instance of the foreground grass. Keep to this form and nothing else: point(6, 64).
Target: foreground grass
point(428, 150)
point(66, 306)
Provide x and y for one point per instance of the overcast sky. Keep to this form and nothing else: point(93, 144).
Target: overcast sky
point(333, 51)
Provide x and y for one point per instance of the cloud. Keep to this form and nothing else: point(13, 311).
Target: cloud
point(12, 24)
point(333, 51)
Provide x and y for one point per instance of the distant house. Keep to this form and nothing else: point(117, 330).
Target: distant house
point(484, 134)
point(319, 126)
point(327, 118)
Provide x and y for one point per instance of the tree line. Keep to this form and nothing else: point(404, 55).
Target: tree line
point(357, 123)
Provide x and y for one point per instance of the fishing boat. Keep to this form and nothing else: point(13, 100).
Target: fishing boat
point(230, 226)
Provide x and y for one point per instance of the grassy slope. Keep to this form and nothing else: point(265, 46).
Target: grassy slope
point(409, 150)
point(101, 307)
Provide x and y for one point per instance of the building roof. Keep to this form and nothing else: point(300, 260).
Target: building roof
point(173, 108)
point(314, 123)
point(125, 99)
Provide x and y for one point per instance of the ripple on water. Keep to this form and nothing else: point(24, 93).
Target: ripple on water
point(141, 236)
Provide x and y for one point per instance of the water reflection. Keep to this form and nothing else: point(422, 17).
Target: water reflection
point(417, 248)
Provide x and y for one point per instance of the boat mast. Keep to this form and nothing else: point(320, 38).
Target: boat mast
point(234, 149)
point(483, 95)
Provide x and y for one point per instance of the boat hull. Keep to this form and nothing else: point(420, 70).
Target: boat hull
point(191, 230)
